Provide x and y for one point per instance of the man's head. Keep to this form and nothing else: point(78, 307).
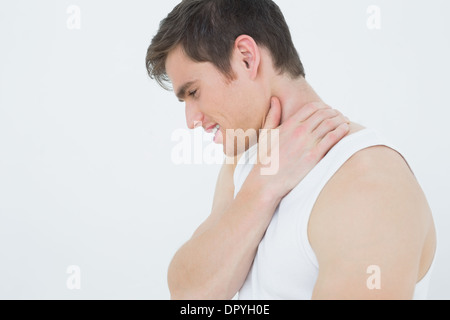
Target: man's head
point(219, 56)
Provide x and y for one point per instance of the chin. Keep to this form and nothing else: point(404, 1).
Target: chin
point(229, 153)
point(234, 152)
point(238, 144)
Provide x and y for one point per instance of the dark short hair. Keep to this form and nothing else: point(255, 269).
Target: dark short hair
point(208, 29)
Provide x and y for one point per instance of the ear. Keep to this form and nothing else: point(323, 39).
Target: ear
point(248, 55)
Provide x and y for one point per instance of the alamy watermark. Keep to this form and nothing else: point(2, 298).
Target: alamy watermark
point(198, 148)
point(73, 281)
point(374, 19)
point(374, 281)
point(74, 18)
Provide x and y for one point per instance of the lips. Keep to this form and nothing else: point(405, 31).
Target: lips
point(211, 128)
point(216, 129)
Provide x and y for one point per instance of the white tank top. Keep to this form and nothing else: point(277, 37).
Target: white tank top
point(285, 266)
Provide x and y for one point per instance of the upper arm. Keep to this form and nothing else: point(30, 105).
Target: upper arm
point(223, 197)
point(372, 213)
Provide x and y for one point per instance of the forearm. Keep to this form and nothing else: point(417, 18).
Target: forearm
point(215, 263)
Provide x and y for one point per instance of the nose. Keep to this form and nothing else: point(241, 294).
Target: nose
point(194, 117)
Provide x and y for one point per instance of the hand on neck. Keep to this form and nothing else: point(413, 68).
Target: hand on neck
point(293, 94)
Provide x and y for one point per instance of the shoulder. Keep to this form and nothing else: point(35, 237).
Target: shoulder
point(374, 183)
point(376, 171)
point(371, 212)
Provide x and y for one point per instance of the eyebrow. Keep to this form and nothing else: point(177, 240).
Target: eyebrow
point(181, 94)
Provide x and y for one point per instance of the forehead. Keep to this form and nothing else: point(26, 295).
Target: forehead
point(176, 58)
point(182, 69)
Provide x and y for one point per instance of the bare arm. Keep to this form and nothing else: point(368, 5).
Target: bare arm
point(372, 214)
point(214, 263)
point(223, 197)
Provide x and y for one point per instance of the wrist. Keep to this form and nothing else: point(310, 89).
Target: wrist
point(266, 192)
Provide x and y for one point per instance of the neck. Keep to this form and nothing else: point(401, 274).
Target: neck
point(294, 94)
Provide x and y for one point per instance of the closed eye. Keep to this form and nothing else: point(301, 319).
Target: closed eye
point(190, 94)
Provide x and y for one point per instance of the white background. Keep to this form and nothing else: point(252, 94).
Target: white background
point(86, 176)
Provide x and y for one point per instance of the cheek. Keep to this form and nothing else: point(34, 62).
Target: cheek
point(221, 104)
point(237, 105)
point(240, 100)
point(249, 105)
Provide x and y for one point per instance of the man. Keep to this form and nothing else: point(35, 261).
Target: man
point(342, 218)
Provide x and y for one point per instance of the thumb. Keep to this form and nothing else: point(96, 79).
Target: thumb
point(273, 118)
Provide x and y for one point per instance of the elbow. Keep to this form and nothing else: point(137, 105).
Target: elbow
point(186, 284)
point(175, 286)
point(182, 289)
point(180, 293)
point(179, 286)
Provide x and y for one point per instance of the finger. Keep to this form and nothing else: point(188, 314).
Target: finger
point(308, 110)
point(346, 118)
point(273, 118)
point(331, 139)
point(319, 117)
point(329, 125)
